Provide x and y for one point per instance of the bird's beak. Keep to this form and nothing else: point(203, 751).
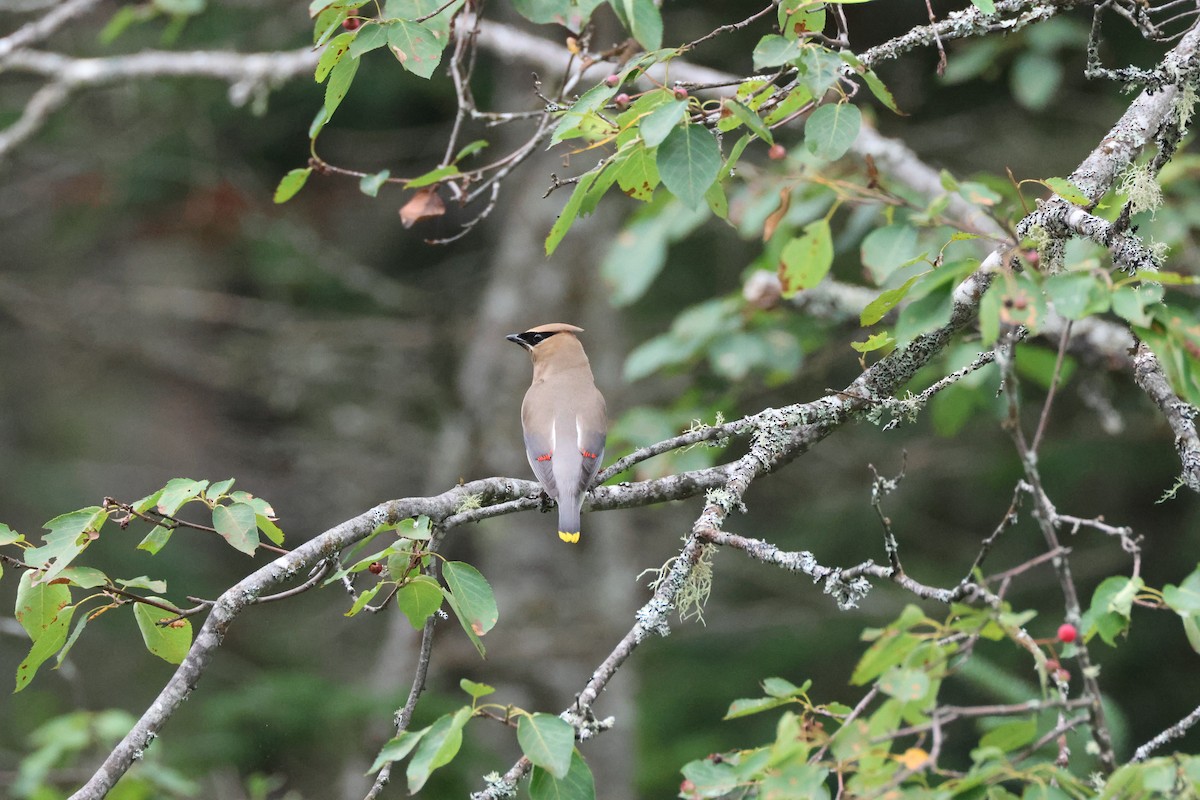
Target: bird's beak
point(515, 338)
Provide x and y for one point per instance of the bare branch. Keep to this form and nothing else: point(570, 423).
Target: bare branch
point(44, 27)
point(1174, 732)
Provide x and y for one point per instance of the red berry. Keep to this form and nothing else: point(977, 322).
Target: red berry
point(680, 93)
point(621, 100)
point(613, 80)
point(1067, 633)
point(375, 568)
point(777, 152)
point(352, 23)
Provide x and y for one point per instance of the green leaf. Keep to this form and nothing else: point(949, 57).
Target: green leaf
point(474, 637)
point(800, 18)
point(69, 535)
point(1185, 598)
point(291, 183)
point(745, 706)
point(39, 603)
point(878, 308)
point(885, 652)
point(179, 491)
point(415, 528)
point(476, 690)
point(432, 177)
point(906, 685)
point(773, 50)
point(439, 23)
point(689, 160)
point(1168, 278)
point(84, 577)
point(120, 22)
point(820, 69)
point(582, 117)
point(566, 219)
point(709, 778)
point(831, 130)
point(339, 84)
point(594, 185)
point(470, 149)
point(986, 6)
point(1121, 594)
point(577, 785)
point(156, 539)
point(547, 741)
point(1111, 604)
point(169, 642)
point(80, 624)
point(750, 120)
point(717, 202)
point(545, 12)
point(143, 582)
point(476, 603)
point(1034, 79)
point(637, 174)
point(186, 8)
point(363, 598)
point(332, 55)
point(437, 747)
point(397, 748)
point(216, 490)
point(269, 528)
point(370, 184)
point(317, 6)
point(46, 644)
point(887, 249)
point(1008, 736)
point(876, 341)
point(371, 36)
point(9, 536)
point(880, 90)
point(1191, 629)
point(779, 687)
point(1078, 294)
point(806, 259)
point(318, 123)
point(238, 524)
point(1067, 191)
point(1133, 304)
point(639, 251)
point(416, 46)
point(658, 124)
point(419, 599)
point(791, 104)
point(642, 19)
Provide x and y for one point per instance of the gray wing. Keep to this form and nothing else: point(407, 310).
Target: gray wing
point(592, 444)
point(537, 450)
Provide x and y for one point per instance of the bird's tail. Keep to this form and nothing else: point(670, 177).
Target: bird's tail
point(568, 518)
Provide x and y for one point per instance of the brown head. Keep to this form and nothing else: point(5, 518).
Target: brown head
point(552, 347)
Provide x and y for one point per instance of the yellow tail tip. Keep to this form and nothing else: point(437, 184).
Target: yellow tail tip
point(573, 538)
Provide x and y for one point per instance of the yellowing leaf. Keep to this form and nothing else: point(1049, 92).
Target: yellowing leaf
point(806, 259)
point(913, 758)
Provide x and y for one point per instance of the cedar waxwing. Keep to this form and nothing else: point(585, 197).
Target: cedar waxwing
point(564, 419)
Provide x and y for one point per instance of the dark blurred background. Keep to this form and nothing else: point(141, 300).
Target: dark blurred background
point(160, 317)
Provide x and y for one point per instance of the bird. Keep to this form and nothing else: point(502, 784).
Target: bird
point(563, 418)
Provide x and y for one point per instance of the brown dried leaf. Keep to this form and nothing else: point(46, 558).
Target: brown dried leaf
point(425, 204)
point(785, 200)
